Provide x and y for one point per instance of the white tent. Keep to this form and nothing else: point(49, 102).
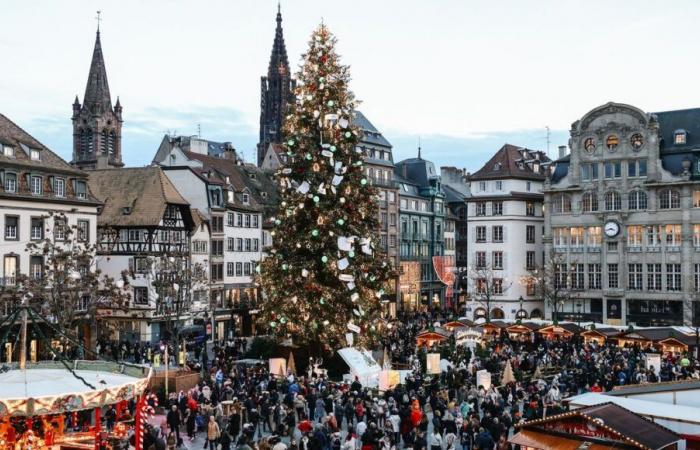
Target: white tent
point(362, 366)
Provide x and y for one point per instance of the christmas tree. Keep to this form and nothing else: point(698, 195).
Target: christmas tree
point(325, 273)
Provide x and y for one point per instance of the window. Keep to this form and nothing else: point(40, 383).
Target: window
point(560, 204)
point(246, 269)
point(217, 247)
point(636, 168)
point(199, 246)
point(239, 269)
point(653, 233)
point(635, 276)
point(392, 219)
point(528, 186)
point(59, 187)
point(497, 258)
point(482, 186)
point(35, 155)
point(673, 277)
point(589, 202)
point(392, 197)
point(37, 229)
point(83, 230)
point(383, 218)
point(59, 230)
point(247, 220)
point(229, 219)
point(481, 209)
point(611, 246)
point(8, 150)
point(635, 234)
point(613, 169)
point(696, 235)
point(529, 208)
point(12, 228)
point(140, 264)
point(498, 286)
point(637, 201)
point(576, 236)
point(36, 267)
point(669, 199)
point(577, 276)
point(217, 224)
point(613, 276)
point(560, 276)
point(141, 296)
point(680, 137)
point(594, 276)
point(404, 203)
point(673, 235)
point(80, 189)
point(480, 285)
point(697, 277)
point(612, 142)
point(239, 219)
point(530, 262)
point(392, 241)
point(35, 185)
point(229, 269)
point(230, 244)
point(530, 286)
point(653, 277)
point(239, 244)
point(613, 202)
point(217, 271)
point(497, 233)
point(10, 182)
point(594, 236)
point(497, 208)
point(481, 234)
point(480, 260)
point(246, 199)
point(589, 172)
point(696, 199)
point(530, 234)
point(499, 185)
point(561, 237)
point(248, 244)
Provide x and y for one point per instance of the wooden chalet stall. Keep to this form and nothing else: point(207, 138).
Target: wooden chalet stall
point(681, 343)
point(560, 331)
point(493, 329)
point(605, 426)
point(462, 323)
point(522, 331)
point(646, 337)
point(599, 335)
point(428, 338)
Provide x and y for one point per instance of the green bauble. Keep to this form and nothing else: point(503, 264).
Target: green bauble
point(324, 259)
point(348, 134)
point(331, 103)
point(283, 320)
point(340, 222)
point(316, 199)
point(308, 156)
point(351, 254)
point(363, 181)
point(290, 142)
point(285, 266)
point(333, 148)
point(273, 324)
point(314, 233)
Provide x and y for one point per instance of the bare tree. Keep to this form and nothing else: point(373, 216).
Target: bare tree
point(64, 284)
point(552, 282)
point(486, 284)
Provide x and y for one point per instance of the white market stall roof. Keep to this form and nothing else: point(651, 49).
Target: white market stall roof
point(684, 420)
point(48, 388)
point(362, 365)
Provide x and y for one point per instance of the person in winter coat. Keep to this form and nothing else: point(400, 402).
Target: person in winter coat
point(483, 440)
point(435, 440)
point(213, 433)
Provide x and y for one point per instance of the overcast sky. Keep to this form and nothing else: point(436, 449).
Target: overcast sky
point(466, 76)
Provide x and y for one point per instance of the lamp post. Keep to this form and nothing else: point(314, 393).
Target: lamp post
point(164, 348)
point(519, 314)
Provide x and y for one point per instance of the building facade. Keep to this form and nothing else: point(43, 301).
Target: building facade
point(276, 93)
point(506, 225)
point(456, 186)
point(623, 217)
point(97, 125)
point(421, 225)
point(34, 183)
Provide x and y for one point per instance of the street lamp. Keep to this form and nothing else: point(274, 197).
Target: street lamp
point(164, 348)
point(519, 314)
point(578, 312)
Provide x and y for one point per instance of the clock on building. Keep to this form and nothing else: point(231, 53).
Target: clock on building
point(612, 228)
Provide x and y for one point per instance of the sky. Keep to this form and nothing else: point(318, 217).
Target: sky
point(464, 76)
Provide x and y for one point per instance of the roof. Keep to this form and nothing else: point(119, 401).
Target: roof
point(525, 325)
point(512, 195)
point(645, 408)
point(438, 332)
point(370, 134)
point(146, 190)
point(506, 163)
point(198, 218)
point(651, 334)
point(687, 120)
point(452, 195)
point(538, 439)
point(605, 332)
point(628, 426)
point(12, 134)
point(97, 88)
point(670, 386)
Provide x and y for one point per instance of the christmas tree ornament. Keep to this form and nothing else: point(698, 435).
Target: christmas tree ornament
point(324, 259)
point(314, 232)
point(340, 222)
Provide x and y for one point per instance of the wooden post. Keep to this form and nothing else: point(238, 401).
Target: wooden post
point(98, 428)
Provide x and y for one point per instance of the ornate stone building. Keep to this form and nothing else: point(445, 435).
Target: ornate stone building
point(623, 217)
point(97, 125)
point(276, 92)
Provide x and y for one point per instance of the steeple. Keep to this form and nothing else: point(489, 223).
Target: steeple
point(97, 96)
point(97, 126)
point(276, 92)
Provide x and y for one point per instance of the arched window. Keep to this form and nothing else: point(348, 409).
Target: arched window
point(83, 142)
point(111, 147)
point(89, 139)
point(613, 202)
point(536, 314)
point(637, 201)
point(521, 314)
point(103, 142)
point(589, 202)
point(669, 199)
point(479, 313)
point(561, 204)
point(497, 313)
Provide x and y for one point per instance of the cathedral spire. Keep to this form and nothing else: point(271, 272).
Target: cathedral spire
point(97, 89)
point(278, 58)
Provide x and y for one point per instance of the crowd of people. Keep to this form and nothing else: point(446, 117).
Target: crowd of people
point(246, 408)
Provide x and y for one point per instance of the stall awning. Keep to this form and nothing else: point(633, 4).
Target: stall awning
point(541, 441)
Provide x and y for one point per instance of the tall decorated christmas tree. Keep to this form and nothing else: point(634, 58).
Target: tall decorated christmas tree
point(325, 273)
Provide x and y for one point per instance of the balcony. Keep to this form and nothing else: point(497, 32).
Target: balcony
point(389, 184)
point(8, 281)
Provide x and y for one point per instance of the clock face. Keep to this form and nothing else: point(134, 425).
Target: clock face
point(612, 228)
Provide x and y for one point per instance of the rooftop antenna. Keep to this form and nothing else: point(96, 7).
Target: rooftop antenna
point(99, 19)
point(419, 147)
point(548, 139)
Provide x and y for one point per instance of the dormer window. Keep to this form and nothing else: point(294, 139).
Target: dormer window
point(252, 176)
point(497, 167)
point(35, 154)
point(680, 137)
point(229, 194)
point(126, 210)
point(8, 150)
point(246, 199)
point(263, 194)
point(80, 189)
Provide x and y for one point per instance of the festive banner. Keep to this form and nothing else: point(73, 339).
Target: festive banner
point(445, 270)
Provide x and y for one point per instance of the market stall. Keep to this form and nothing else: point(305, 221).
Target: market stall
point(522, 331)
point(462, 323)
point(428, 338)
point(599, 335)
point(560, 331)
point(679, 344)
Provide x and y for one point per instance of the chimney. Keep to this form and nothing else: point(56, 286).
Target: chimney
point(562, 151)
point(229, 152)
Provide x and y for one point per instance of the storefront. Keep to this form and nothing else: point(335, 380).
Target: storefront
point(409, 285)
point(654, 313)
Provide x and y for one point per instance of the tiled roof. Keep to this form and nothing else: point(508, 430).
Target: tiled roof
point(12, 134)
point(687, 120)
point(145, 190)
point(510, 162)
point(370, 133)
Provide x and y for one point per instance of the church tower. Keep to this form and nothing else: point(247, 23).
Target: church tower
point(276, 92)
point(97, 126)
